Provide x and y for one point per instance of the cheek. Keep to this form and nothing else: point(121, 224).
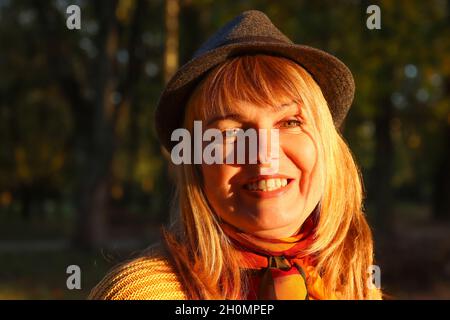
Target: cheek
point(217, 181)
point(301, 151)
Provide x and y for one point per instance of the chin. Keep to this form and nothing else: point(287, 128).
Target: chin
point(266, 220)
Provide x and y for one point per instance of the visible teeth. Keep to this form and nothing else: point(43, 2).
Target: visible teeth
point(277, 183)
point(267, 185)
point(262, 184)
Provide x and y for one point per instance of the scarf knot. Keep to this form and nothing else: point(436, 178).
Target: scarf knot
point(281, 280)
point(280, 262)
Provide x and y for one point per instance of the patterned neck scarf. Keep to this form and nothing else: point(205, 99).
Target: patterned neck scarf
point(278, 268)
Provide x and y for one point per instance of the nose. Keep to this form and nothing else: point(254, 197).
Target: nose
point(268, 149)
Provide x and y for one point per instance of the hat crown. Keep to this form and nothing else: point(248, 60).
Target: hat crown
point(248, 26)
point(251, 32)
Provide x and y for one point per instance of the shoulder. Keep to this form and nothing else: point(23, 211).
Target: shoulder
point(150, 277)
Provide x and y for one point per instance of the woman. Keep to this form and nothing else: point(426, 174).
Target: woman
point(288, 226)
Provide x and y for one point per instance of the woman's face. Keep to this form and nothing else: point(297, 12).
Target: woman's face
point(271, 205)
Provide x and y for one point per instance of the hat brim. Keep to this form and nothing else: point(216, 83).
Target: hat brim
point(332, 76)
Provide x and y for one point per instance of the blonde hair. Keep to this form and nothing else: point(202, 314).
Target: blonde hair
point(201, 252)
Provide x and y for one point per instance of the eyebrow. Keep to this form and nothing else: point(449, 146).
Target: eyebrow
point(237, 117)
point(232, 116)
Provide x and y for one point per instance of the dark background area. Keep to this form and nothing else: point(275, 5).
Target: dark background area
point(82, 177)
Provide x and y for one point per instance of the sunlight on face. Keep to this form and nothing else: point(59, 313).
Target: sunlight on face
point(275, 205)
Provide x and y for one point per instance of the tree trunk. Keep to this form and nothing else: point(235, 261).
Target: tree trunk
point(171, 55)
point(91, 227)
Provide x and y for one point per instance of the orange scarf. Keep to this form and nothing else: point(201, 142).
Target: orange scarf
point(278, 268)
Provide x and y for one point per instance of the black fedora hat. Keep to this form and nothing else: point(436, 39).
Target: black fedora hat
point(249, 33)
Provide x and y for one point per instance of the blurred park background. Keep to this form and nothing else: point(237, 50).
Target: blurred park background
point(82, 177)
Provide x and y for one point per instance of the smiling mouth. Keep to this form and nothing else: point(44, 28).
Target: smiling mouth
point(266, 185)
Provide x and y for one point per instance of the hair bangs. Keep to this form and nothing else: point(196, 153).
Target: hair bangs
point(262, 80)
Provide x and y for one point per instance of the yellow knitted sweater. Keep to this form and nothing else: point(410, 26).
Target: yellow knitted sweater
point(145, 278)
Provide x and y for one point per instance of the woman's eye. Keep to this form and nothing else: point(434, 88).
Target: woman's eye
point(293, 123)
point(231, 134)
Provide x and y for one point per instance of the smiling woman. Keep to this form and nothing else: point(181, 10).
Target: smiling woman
point(275, 205)
point(296, 233)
